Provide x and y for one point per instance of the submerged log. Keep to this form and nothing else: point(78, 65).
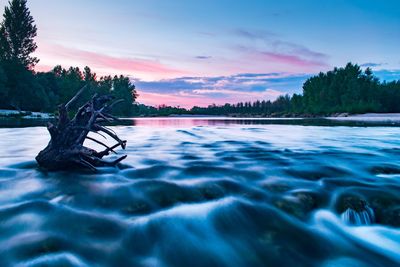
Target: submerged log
point(66, 150)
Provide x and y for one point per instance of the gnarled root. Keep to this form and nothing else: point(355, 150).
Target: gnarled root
point(65, 149)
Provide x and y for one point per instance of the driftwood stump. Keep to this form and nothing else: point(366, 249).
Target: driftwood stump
point(66, 150)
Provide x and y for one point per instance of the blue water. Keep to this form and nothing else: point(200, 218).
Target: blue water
point(192, 194)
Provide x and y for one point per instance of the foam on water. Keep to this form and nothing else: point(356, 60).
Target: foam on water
point(208, 194)
point(364, 217)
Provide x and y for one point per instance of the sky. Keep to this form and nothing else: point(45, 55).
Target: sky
point(186, 53)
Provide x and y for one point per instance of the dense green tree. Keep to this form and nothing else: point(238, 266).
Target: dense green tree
point(123, 89)
point(347, 89)
point(3, 88)
point(17, 33)
point(61, 84)
point(22, 88)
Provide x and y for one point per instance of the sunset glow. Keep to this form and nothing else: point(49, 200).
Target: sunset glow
point(148, 42)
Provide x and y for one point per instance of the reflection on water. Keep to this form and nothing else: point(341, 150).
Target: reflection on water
point(209, 121)
point(206, 193)
point(191, 121)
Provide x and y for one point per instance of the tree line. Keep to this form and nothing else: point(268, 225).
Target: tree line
point(22, 88)
point(341, 90)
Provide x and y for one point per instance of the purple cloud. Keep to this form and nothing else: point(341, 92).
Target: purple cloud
point(273, 49)
point(203, 57)
point(219, 89)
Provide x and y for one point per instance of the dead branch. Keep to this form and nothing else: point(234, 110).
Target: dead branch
point(66, 150)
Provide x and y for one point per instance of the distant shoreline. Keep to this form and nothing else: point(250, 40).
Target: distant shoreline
point(371, 117)
point(22, 114)
point(337, 116)
point(366, 117)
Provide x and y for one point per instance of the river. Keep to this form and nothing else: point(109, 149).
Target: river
point(201, 192)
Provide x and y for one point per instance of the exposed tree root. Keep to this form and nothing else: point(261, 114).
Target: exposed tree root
point(65, 149)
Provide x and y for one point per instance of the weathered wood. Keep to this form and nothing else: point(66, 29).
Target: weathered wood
point(66, 150)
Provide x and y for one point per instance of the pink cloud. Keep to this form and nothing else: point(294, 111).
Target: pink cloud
point(107, 64)
point(268, 93)
point(269, 49)
point(157, 99)
point(290, 59)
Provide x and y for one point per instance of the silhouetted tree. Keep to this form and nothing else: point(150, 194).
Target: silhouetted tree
point(17, 33)
point(62, 84)
point(347, 89)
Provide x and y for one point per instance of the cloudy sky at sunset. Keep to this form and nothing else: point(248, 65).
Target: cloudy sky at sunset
point(215, 51)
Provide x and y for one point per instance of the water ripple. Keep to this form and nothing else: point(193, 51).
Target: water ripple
point(271, 195)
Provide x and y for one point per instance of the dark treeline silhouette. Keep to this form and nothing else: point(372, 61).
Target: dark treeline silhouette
point(61, 84)
point(22, 88)
point(163, 110)
point(342, 90)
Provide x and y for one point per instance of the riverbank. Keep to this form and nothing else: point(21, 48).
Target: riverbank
point(373, 117)
point(7, 113)
point(188, 122)
point(370, 117)
point(386, 118)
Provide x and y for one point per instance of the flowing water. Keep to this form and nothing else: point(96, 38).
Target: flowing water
point(200, 193)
